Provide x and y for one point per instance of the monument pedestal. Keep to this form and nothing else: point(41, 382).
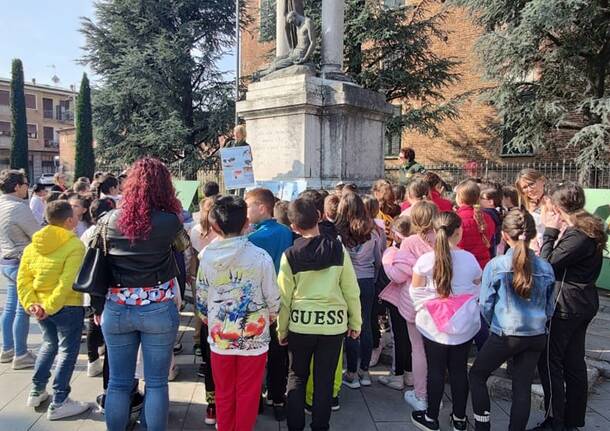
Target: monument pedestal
point(314, 130)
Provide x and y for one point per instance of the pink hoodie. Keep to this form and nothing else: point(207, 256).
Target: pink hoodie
point(398, 265)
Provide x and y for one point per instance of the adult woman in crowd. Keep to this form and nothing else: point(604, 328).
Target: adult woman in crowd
point(59, 183)
point(139, 308)
point(530, 187)
point(576, 258)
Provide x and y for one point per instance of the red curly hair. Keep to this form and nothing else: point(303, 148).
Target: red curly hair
point(148, 188)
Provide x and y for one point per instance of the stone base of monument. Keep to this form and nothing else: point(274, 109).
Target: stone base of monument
point(316, 131)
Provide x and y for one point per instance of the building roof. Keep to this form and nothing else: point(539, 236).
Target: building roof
point(42, 87)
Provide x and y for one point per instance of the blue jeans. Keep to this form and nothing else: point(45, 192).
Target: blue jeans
point(125, 327)
point(15, 321)
point(61, 333)
point(363, 346)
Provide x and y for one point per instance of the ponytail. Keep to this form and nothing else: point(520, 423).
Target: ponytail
point(445, 225)
point(481, 225)
point(519, 225)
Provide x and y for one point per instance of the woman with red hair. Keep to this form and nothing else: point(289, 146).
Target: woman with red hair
point(139, 309)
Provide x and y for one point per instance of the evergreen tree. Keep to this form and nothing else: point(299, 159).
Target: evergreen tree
point(161, 91)
point(19, 140)
point(550, 60)
point(84, 163)
point(389, 49)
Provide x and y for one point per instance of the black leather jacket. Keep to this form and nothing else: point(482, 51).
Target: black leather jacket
point(144, 263)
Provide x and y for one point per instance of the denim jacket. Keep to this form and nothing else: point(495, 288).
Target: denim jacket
point(508, 313)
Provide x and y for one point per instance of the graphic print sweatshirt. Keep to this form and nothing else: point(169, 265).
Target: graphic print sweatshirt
point(237, 291)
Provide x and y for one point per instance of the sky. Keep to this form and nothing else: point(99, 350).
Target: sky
point(44, 35)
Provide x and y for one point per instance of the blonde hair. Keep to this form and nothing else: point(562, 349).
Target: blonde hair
point(531, 176)
point(241, 129)
point(422, 216)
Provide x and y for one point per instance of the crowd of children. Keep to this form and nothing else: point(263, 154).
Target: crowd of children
point(291, 287)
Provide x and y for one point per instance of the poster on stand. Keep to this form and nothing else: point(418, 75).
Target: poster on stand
point(237, 167)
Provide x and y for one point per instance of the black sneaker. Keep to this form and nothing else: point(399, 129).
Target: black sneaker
point(137, 402)
point(421, 422)
point(100, 401)
point(458, 424)
point(308, 409)
point(279, 411)
point(178, 348)
point(197, 350)
point(201, 370)
point(335, 404)
point(261, 405)
point(545, 425)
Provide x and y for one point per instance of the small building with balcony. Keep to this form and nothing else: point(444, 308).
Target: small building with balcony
point(49, 109)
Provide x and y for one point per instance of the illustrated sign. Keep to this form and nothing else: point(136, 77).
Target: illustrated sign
point(237, 167)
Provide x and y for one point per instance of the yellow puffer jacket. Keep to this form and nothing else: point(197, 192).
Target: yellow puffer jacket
point(48, 268)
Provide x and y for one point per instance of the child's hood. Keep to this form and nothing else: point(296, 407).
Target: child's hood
point(50, 238)
point(224, 253)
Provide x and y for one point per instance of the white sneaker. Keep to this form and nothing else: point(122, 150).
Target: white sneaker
point(408, 376)
point(66, 409)
point(394, 382)
point(351, 380)
point(101, 350)
point(95, 368)
point(27, 360)
point(173, 373)
point(36, 398)
point(365, 378)
point(375, 355)
point(414, 401)
point(7, 356)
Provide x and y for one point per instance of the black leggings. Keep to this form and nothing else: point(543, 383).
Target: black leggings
point(95, 340)
point(525, 352)
point(442, 357)
point(564, 361)
point(402, 343)
point(208, 379)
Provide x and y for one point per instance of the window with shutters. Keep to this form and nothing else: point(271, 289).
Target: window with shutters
point(30, 101)
point(267, 13)
point(5, 96)
point(5, 128)
point(47, 108)
point(393, 141)
point(32, 131)
point(48, 134)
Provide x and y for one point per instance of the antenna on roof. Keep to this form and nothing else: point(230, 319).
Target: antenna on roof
point(54, 78)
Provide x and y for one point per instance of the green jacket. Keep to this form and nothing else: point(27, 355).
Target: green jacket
point(408, 170)
point(319, 292)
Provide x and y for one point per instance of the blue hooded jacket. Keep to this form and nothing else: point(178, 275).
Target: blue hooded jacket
point(272, 237)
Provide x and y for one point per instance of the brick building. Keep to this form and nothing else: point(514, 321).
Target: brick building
point(48, 110)
point(469, 138)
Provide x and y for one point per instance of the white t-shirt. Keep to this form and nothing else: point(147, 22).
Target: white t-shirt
point(456, 319)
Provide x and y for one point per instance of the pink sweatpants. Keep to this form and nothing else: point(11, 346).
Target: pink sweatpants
point(418, 357)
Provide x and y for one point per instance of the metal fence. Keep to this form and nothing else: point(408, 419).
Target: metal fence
point(507, 173)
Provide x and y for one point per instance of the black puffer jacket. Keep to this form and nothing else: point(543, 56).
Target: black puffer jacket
point(143, 263)
point(577, 261)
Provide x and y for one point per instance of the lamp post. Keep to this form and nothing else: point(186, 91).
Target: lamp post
point(237, 63)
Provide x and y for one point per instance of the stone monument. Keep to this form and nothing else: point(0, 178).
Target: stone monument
point(316, 128)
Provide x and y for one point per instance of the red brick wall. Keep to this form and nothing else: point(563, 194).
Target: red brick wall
point(466, 138)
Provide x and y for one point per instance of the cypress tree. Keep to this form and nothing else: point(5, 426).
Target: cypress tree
point(19, 142)
point(84, 164)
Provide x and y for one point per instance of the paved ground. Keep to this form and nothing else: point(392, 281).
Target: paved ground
point(371, 409)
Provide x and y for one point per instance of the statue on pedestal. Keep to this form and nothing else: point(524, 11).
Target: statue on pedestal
point(301, 36)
